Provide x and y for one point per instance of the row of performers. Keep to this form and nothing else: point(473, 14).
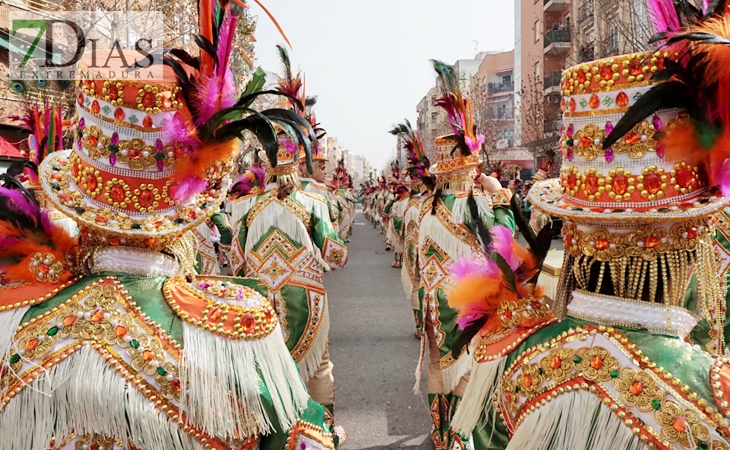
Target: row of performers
point(117, 332)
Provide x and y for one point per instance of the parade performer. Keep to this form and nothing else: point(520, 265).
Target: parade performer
point(420, 183)
point(344, 200)
point(395, 210)
point(105, 342)
point(47, 127)
point(538, 219)
point(284, 236)
point(616, 372)
point(447, 233)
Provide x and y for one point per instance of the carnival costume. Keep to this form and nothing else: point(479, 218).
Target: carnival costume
point(419, 181)
point(106, 343)
point(446, 233)
point(620, 371)
point(284, 236)
point(395, 210)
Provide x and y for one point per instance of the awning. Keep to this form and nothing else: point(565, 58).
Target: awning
point(13, 142)
point(8, 150)
point(515, 155)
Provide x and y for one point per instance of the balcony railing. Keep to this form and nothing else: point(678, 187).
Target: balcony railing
point(553, 36)
point(496, 88)
point(587, 53)
point(552, 79)
point(585, 11)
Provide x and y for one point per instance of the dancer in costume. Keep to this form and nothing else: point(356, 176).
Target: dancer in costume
point(285, 237)
point(105, 342)
point(395, 209)
point(420, 183)
point(616, 370)
point(538, 219)
point(447, 232)
point(46, 125)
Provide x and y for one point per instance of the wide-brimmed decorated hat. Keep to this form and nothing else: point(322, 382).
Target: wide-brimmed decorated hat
point(641, 177)
point(457, 155)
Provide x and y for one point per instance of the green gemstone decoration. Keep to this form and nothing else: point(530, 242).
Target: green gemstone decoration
point(133, 120)
point(15, 358)
point(56, 187)
point(136, 226)
point(179, 221)
point(656, 404)
point(161, 371)
point(577, 359)
point(614, 373)
point(517, 389)
point(134, 343)
point(106, 110)
point(539, 371)
point(52, 331)
point(80, 210)
point(703, 445)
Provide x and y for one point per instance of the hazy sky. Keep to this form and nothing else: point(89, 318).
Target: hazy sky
point(368, 60)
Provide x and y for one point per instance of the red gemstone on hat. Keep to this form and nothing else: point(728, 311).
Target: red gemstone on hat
point(526, 381)
point(149, 242)
point(684, 177)
point(148, 100)
point(581, 77)
point(92, 141)
point(134, 153)
point(113, 92)
point(572, 180)
point(215, 314)
point(117, 193)
point(114, 241)
point(91, 182)
point(596, 362)
point(652, 183)
point(80, 98)
point(555, 362)
point(619, 184)
point(146, 198)
point(176, 386)
point(635, 68)
point(569, 240)
point(622, 99)
point(602, 244)
point(586, 142)
point(606, 73)
point(651, 242)
point(680, 424)
point(594, 102)
point(95, 107)
point(101, 219)
point(562, 104)
point(636, 388)
point(572, 105)
point(147, 122)
point(248, 323)
point(591, 184)
point(692, 232)
point(632, 138)
point(119, 114)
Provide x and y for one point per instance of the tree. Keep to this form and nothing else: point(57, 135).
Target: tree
point(540, 120)
point(484, 118)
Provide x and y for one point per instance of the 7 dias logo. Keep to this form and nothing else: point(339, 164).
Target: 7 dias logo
point(88, 45)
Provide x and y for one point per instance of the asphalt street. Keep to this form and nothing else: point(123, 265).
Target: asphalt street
point(374, 350)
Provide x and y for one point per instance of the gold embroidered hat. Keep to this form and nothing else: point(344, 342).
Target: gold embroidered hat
point(632, 180)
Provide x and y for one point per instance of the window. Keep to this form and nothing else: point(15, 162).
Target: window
point(538, 32)
point(506, 79)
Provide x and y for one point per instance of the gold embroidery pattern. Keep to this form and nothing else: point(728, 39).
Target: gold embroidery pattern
point(46, 268)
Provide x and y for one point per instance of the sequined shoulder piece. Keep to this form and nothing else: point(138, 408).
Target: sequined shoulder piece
point(314, 195)
point(221, 306)
point(663, 410)
point(19, 295)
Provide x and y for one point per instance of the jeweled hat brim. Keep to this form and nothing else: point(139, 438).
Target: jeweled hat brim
point(155, 228)
point(547, 196)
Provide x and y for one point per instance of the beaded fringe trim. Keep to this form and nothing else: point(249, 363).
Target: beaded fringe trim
point(574, 421)
point(67, 401)
point(485, 380)
point(214, 369)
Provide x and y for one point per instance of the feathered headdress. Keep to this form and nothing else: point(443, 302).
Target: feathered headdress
point(251, 182)
point(32, 247)
point(216, 117)
point(497, 290)
point(696, 77)
point(671, 16)
point(410, 139)
point(459, 110)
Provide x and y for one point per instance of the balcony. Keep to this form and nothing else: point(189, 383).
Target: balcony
point(556, 42)
point(587, 53)
point(555, 6)
point(585, 11)
point(500, 88)
point(552, 83)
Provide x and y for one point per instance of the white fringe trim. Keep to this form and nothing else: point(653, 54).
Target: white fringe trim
point(216, 368)
point(454, 373)
point(460, 213)
point(453, 247)
point(240, 208)
point(9, 322)
point(312, 361)
point(405, 280)
point(483, 383)
point(66, 400)
point(206, 249)
point(575, 420)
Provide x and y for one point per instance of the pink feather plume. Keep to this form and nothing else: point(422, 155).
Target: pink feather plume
point(502, 244)
point(663, 16)
point(188, 187)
